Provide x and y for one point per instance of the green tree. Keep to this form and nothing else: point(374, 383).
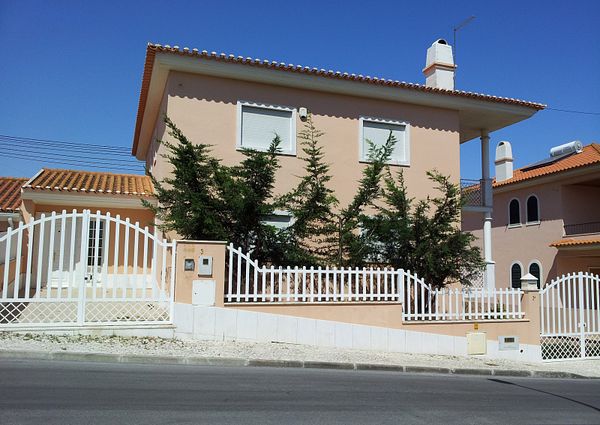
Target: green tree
point(190, 201)
point(424, 238)
point(351, 247)
point(322, 233)
point(312, 234)
point(248, 194)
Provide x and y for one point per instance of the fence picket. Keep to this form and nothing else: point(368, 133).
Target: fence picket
point(29, 269)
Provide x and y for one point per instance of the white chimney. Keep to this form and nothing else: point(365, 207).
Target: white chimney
point(439, 68)
point(504, 161)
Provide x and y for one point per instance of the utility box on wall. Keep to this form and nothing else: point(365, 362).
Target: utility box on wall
point(203, 292)
point(205, 265)
point(476, 343)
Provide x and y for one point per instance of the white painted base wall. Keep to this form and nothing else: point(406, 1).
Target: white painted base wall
point(229, 324)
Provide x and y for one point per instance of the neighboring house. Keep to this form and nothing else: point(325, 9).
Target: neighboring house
point(52, 191)
point(10, 201)
point(546, 218)
point(232, 102)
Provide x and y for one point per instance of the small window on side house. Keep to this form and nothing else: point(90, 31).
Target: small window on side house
point(515, 275)
point(534, 269)
point(377, 131)
point(514, 213)
point(258, 124)
point(533, 213)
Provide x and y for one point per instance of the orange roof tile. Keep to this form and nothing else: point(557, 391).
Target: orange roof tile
point(10, 193)
point(589, 156)
point(575, 242)
point(152, 49)
point(91, 182)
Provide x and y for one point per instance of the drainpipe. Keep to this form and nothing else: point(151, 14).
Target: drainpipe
point(486, 187)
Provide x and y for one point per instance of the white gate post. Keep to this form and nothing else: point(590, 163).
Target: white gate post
point(581, 314)
point(85, 222)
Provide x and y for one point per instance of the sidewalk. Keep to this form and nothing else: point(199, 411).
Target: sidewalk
point(159, 350)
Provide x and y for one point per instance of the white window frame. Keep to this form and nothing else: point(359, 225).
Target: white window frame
point(361, 152)
point(238, 141)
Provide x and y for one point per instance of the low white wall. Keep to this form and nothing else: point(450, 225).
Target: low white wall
point(228, 324)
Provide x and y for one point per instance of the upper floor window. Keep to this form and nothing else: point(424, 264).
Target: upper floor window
point(535, 270)
point(533, 211)
point(515, 275)
point(258, 124)
point(377, 131)
point(514, 212)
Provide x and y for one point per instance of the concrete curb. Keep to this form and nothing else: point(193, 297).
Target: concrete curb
point(238, 362)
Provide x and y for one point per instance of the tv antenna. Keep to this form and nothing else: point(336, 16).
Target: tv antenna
point(455, 30)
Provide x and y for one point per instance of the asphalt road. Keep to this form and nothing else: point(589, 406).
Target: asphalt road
point(96, 393)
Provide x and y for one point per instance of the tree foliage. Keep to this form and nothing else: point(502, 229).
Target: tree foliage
point(204, 199)
point(424, 237)
point(190, 201)
point(312, 204)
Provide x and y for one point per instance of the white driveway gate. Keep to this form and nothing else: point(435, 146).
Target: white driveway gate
point(82, 268)
point(570, 317)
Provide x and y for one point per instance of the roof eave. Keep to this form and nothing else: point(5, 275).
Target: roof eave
point(476, 112)
point(548, 178)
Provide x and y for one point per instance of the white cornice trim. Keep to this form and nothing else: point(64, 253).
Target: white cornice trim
point(85, 200)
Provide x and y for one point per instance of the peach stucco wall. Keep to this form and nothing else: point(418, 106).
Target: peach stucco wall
point(205, 109)
point(389, 315)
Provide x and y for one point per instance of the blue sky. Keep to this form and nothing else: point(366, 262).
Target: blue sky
point(71, 70)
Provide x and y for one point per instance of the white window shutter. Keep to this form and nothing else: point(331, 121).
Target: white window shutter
point(378, 134)
point(259, 126)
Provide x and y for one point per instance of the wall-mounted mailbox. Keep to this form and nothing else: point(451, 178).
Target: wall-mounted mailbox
point(189, 265)
point(205, 264)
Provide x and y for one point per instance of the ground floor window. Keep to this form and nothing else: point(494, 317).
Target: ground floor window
point(535, 270)
point(515, 275)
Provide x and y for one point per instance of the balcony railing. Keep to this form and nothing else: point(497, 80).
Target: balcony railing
point(476, 193)
point(582, 228)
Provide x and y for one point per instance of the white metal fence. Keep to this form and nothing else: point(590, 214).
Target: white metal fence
point(85, 268)
point(249, 282)
point(424, 303)
point(570, 317)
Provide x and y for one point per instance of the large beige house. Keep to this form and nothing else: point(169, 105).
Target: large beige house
point(546, 218)
point(233, 102)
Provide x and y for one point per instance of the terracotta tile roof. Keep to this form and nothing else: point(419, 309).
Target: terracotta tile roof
point(91, 182)
point(589, 156)
point(152, 49)
point(10, 193)
point(575, 242)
